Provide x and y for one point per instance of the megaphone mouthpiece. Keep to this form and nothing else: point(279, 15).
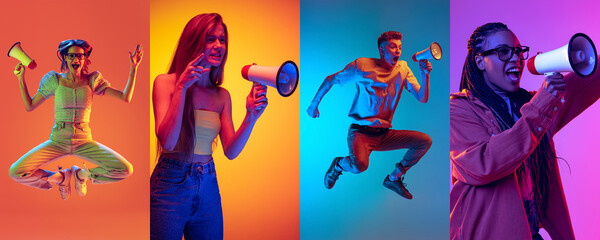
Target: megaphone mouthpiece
point(414, 57)
point(531, 66)
point(245, 71)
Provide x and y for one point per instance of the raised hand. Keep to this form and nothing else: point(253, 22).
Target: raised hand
point(193, 72)
point(136, 57)
point(19, 70)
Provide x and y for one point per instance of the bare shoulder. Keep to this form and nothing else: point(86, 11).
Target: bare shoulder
point(223, 94)
point(166, 78)
point(164, 82)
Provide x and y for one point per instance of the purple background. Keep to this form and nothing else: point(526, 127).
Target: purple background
point(545, 26)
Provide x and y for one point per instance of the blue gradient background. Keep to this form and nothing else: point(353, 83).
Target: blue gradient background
point(332, 34)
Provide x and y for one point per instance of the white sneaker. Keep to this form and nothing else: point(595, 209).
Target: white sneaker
point(65, 186)
point(80, 185)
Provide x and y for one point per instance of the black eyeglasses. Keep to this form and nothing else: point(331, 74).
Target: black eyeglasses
point(505, 53)
point(71, 56)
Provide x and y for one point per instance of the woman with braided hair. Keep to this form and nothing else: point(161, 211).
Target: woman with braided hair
point(506, 183)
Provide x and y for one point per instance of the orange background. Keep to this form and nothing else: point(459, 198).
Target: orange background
point(111, 211)
point(260, 188)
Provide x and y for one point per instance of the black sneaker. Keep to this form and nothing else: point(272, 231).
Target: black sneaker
point(332, 174)
point(397, 186)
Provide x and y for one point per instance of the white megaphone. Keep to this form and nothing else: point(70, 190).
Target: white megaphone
point(578, 56)
point(284, 78)
point(434, 51)
point(17, 52)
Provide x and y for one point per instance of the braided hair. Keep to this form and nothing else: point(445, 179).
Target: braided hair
point(539, 161)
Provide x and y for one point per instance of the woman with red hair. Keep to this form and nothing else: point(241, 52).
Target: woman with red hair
point(190, 111)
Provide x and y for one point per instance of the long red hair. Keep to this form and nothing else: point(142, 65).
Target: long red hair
point(191, 44)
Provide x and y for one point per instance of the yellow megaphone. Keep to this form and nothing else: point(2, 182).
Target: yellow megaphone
point(16, 51)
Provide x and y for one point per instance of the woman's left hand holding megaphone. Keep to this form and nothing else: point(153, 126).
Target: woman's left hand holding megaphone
point(257, 101)
point(19, 71)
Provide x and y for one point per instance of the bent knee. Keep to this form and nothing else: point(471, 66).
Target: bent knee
point(126, 170)
point(429, 141)
point(425, 141)
point(12, 173)
point(15, 173)
point(123, 171)
point(129, 169)
point(361, 167)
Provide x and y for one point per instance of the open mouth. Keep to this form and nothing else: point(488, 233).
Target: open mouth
point(395, 59)
point(216, 55)
point(75, 66)
point(513, 73)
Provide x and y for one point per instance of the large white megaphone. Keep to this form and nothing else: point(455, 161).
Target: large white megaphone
point(17, 52)
point(434, 51)
point(578, 56)
point(285, 77)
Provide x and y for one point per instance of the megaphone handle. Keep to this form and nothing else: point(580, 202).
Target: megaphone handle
point(19, 69)
point(550, 74)
point(425, 66)
point(562, 97)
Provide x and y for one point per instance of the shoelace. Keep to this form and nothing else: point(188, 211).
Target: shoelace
point(77, 175)
point(402, 181)
point(336, 174)
point(85, 167)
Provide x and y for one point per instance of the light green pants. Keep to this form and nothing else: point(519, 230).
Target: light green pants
point(70, 139)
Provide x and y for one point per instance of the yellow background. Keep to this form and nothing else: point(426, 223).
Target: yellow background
point(260, 188)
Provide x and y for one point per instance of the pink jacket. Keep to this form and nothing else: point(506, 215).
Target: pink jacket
point(485, 199)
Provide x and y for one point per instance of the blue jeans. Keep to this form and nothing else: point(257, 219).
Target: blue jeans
point(185, 200)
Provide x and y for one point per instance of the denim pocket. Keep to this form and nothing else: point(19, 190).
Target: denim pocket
point(172, 176)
